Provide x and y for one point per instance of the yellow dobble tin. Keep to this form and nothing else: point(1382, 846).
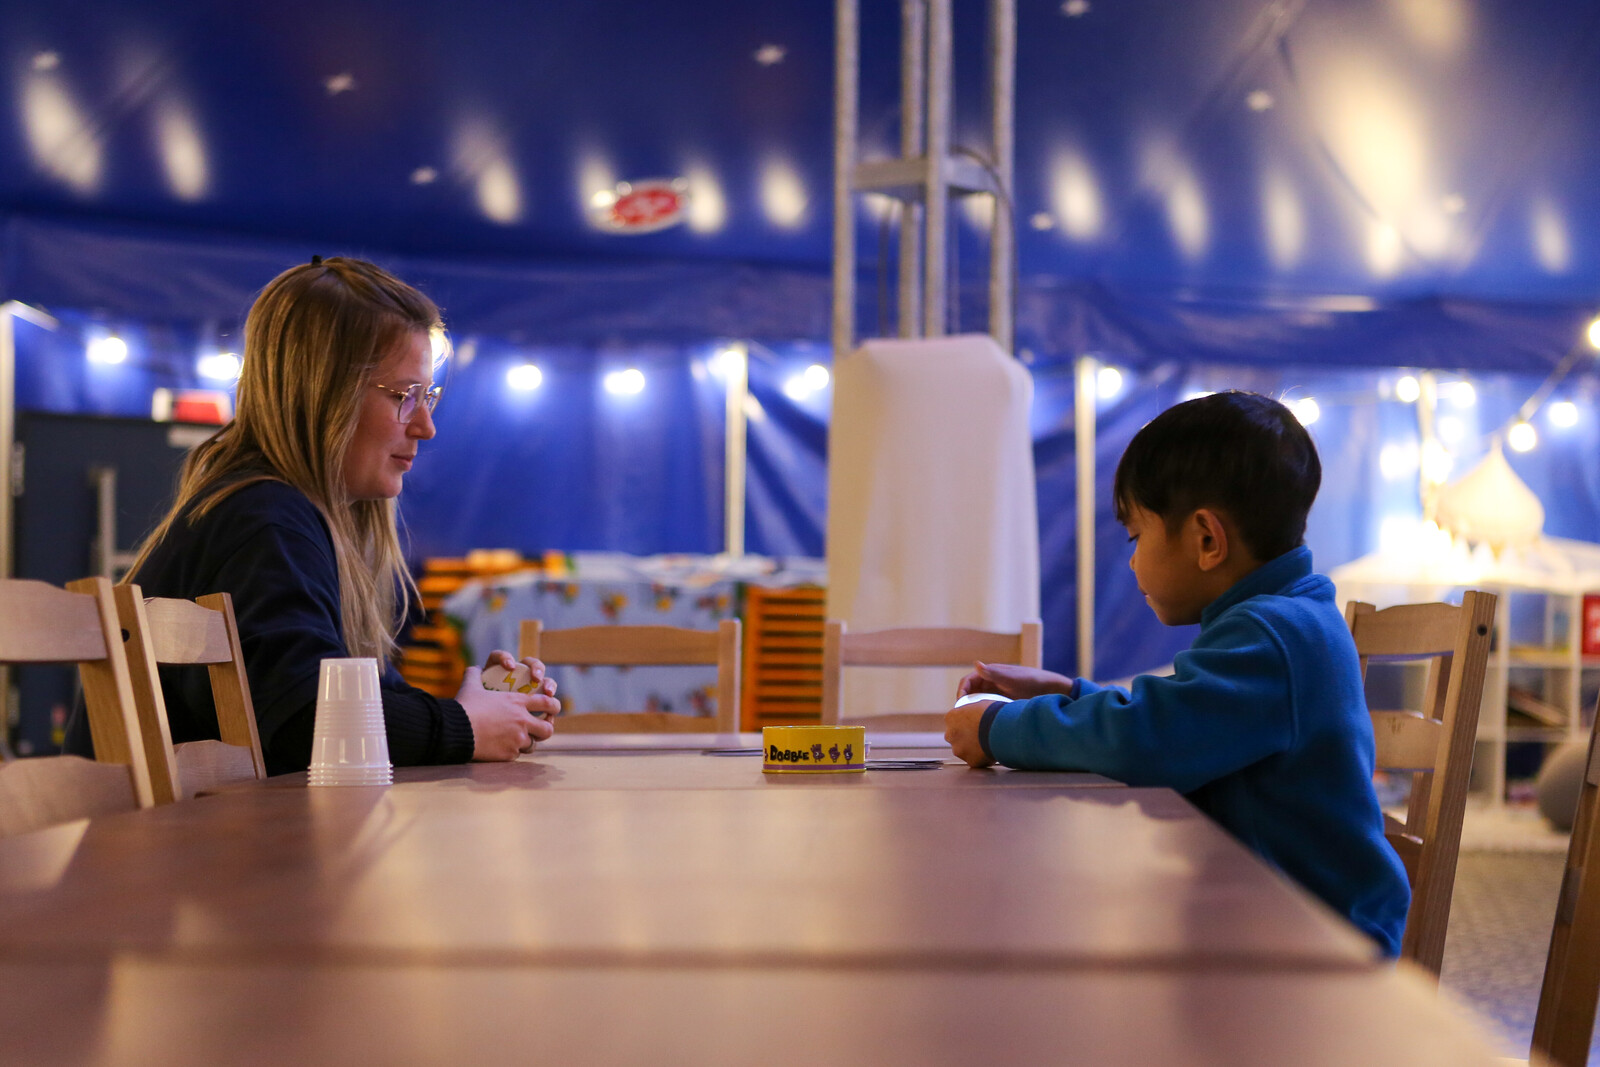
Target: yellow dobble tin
point(813, 749)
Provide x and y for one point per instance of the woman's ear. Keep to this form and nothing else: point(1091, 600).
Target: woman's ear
point(1209, 538)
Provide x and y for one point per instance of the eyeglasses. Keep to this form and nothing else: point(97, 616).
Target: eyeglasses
point(428, 395)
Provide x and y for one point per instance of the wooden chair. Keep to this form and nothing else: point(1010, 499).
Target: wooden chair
point(40, 623)
point(1435, 744)
point(632, 646)
point(1564, 1027)
point(943, 646)
point(168, 631)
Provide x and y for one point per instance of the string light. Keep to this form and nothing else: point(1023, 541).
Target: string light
point(1407, 390)
point(1564, 414)
point(1594, 333)
point(1522, 437)
point(1108, 382)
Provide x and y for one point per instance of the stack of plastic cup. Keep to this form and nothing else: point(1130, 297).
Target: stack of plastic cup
point(348, 744)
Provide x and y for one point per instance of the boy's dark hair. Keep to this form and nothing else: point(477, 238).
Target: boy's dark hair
point(1242, 453)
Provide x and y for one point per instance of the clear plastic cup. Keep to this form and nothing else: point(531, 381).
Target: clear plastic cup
point(348, 743)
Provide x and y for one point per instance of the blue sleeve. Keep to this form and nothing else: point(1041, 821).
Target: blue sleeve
point(1226, 706)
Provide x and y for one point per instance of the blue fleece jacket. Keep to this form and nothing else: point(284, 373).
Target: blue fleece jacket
point(1263, 726)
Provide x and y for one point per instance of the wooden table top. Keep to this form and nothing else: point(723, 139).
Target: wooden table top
point(494, 869)
point(667, 769)
point(136, 1009)
point(564, 742)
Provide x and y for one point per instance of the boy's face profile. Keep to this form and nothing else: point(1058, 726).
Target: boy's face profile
point(1182, 572)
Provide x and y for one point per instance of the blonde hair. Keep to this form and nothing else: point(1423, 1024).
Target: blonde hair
point(312, 341)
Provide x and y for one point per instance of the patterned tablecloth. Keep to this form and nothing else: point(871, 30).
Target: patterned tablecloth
point(689, 591)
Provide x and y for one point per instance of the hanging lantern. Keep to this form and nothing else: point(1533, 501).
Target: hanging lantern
point(1490, 505)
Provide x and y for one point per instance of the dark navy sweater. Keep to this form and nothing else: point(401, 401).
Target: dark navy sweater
point(268, 546)
point(1263, 726)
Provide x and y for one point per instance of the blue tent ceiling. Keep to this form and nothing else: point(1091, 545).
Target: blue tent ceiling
point(1234, 152)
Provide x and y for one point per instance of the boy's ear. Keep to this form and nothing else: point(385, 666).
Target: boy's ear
point(1209, 539)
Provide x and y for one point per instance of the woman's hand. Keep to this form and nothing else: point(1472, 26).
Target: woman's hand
point(1016, 683)
point(505, 725)
point(501, 658)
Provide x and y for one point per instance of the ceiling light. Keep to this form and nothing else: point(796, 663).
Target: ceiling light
point(1108, 382)
point(730, 361)
point(219, 367)
point(109, 349)
point(1396, 461)
point(1594, 333)
point(525, 377)
point(624, 382)
point(1522, 437)
point(1407, 390)
point(1563, 413)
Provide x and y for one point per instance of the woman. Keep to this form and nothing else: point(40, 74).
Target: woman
point(290, 508)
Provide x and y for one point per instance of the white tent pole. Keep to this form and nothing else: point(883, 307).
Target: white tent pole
point(9, 312)
point(913, 94)
point(737, 367)
point(847, 60)
point(8, 431)
point(1083, 427)
point(1002, 118)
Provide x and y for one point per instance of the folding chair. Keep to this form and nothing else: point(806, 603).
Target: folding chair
point(1435, 744)
point(40, 623)
point(1564, 1027)
point(167, 631)
point(632, 646)
point(934, 646)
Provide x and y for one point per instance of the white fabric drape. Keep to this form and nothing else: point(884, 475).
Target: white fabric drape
point(932, 514)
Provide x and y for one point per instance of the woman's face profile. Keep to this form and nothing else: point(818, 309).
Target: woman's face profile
point(383, 447)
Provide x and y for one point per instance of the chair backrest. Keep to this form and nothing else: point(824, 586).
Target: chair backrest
point(930, 646)
point(633, 646)
point(194, 632)
point(40, 623)
point(1435, 744)
point(1564, 1026)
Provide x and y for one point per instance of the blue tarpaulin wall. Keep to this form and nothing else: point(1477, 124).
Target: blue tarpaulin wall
point(571, 466)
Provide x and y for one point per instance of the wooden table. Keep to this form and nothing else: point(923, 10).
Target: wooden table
point(686, 913)
point(136, 1009)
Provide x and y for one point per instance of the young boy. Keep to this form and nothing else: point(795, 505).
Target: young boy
point(1263, 724)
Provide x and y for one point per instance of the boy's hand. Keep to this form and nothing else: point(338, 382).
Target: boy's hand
point(961, 730)
point(1018, 683)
